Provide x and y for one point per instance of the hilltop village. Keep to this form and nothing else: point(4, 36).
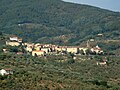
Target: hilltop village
point(37, 49)
point(16, 45)
point(29, 64)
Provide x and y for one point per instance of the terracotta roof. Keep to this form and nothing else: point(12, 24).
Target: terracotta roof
point(13, 36)
point(19, 53)
point(38, 51)
point(8, 69)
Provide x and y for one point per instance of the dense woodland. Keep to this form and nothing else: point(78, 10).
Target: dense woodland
point(56, 21)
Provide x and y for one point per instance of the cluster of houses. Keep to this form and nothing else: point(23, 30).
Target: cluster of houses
point(14, 41)
point(97, 50)
point(43, 49)
point(103, 62)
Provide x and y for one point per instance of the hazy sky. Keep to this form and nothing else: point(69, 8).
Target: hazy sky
point(113, 5)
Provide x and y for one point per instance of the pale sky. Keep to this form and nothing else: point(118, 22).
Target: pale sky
point(113, 5)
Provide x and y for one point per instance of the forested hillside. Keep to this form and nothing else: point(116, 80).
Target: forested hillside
point(58, 22)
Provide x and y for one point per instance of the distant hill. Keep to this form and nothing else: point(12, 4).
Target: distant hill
point(58, 22)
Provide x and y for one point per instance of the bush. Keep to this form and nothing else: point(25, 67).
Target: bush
point(71, 61)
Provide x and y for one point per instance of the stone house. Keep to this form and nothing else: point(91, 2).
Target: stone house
point(38, 53)
point(13, 38)
point(97, 50)
point(83, 49)
point(72, 49)
point(46, 50)
point(6, 71)
point(12, 43)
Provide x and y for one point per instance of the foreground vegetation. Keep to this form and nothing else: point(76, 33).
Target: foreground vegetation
point(59, 72)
